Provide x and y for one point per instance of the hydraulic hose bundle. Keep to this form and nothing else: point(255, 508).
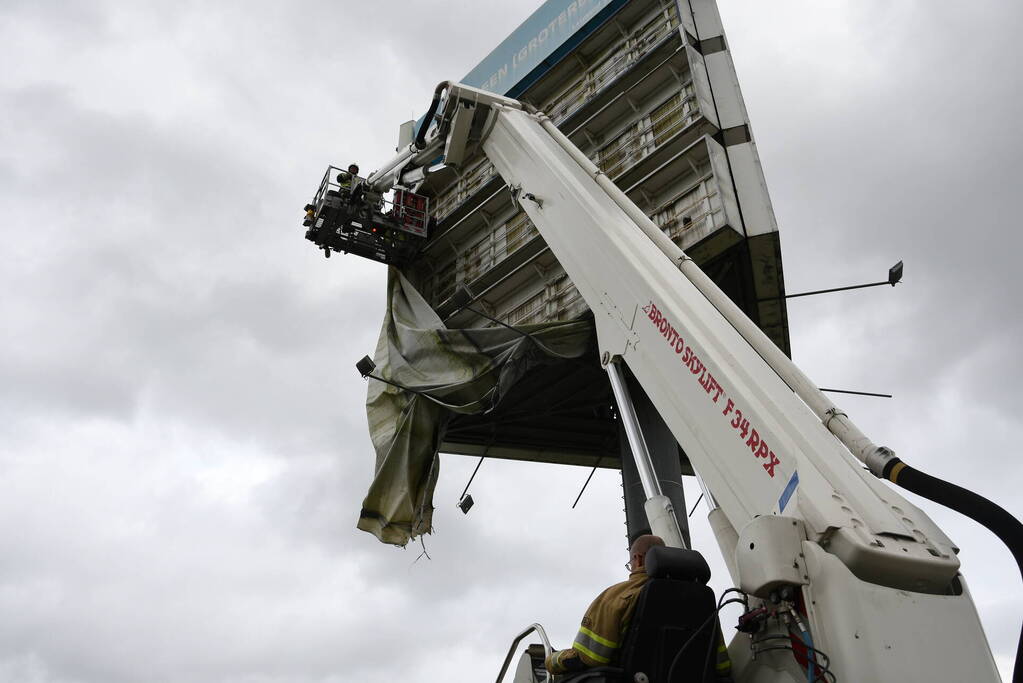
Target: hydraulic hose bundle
point(420, 140)
point(976, 507)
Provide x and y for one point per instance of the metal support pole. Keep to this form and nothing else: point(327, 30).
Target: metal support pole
point(666, 457)
point(630, 421)
point(659, 509)
point(712, 502)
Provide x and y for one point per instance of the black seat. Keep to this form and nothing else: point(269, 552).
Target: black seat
point(674, 625)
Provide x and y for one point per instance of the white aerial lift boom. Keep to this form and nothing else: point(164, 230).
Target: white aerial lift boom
point(797, 515)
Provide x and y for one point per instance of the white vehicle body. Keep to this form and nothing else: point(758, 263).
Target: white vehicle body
point(792, 504)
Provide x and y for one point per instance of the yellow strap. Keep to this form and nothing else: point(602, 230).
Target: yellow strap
point(894, 474)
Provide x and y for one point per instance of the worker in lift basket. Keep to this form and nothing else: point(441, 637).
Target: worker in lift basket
point(346, 179)
point(606, 622)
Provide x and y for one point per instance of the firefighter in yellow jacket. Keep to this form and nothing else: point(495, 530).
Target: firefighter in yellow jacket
point(606, 622)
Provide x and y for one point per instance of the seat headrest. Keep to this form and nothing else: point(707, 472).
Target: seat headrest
point(676, 563)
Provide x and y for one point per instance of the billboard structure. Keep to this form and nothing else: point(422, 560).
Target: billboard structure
point(647, 89)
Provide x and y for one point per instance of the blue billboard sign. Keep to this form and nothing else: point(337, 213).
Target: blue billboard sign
point(544, 38)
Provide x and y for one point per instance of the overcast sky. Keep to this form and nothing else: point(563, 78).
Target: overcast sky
point(183, 447)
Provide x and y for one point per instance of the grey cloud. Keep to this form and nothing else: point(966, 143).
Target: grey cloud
point(95, 593)
point(129, 307)
point(185, 446)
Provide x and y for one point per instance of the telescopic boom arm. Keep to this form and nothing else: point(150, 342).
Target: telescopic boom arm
point(794, 508)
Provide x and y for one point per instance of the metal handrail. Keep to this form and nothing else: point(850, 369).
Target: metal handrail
point(515, 643)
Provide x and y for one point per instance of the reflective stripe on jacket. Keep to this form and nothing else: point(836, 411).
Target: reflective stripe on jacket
point(723, 664)
point(602, 629)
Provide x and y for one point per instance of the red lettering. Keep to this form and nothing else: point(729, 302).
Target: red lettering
point(757, 445)
point(754, 440)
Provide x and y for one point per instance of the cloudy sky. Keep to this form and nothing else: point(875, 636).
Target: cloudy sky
point(183, 447)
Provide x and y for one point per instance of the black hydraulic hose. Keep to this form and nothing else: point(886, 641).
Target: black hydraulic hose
point(430, 113)
point(976, 507)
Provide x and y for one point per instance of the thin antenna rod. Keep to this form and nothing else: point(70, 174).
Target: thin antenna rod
point(858, 393)
point(499, 322)
point(482, 458)
point(695, 504)
point(894, 278)
point(585, 485)
point(825, 291)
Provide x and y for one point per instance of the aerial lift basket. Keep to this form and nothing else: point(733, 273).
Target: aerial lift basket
point(347, 216)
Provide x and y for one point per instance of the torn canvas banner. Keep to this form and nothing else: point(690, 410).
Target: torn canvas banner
point(463, 371)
